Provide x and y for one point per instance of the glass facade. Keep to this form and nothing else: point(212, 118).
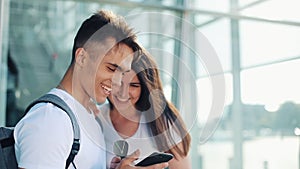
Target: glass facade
point(229, 66)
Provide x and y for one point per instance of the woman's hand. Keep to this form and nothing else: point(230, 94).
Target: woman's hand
point(127, 163)
point(114, 162)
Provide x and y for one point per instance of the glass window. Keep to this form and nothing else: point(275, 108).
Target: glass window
point(286, 10)
point(212, 5)
point(271, 85)
point(271, 112)
point(218, 34)
point(218, 150)
point(262, 43)
point(205, 96)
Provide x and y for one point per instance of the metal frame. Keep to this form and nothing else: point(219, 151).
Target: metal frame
point(4, 16)
point(184, 8)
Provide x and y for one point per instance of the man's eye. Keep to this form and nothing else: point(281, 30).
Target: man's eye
point(111, 69)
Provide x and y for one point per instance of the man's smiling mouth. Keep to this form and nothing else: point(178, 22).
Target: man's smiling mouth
point(107, 90)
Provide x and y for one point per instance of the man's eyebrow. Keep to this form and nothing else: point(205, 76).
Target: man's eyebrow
point(114, 65)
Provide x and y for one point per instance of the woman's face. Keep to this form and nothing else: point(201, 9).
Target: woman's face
point(126, 96)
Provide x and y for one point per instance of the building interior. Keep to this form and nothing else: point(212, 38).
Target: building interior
point(229, 66)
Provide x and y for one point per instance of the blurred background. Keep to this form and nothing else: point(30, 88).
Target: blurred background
point(256, 42)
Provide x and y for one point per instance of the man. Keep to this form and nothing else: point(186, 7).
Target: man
point(103, 51)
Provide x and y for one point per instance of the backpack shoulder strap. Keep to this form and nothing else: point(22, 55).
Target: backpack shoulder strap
point(58, 102)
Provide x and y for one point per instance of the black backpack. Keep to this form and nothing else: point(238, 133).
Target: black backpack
point(7, 149)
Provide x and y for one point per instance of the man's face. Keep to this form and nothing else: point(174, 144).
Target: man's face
point(106, 69)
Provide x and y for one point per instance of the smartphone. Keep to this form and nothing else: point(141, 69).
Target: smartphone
point(155, 158)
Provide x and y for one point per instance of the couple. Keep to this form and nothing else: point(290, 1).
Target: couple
point(106, 62)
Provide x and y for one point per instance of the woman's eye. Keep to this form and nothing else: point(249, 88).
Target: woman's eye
point(135, 85)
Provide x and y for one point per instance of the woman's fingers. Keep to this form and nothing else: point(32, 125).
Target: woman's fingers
point(132, 157)
point(155, 166)
point(127, 163)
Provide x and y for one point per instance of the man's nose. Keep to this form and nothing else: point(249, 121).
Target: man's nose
point(123, 90)
point(117, 79)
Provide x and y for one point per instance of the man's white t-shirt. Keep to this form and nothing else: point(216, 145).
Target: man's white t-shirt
point(142, 139)
point(43, 138)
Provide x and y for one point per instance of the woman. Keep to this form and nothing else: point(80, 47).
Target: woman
point(139, 113)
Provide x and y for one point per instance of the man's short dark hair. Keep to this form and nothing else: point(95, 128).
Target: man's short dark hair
point(102, 25)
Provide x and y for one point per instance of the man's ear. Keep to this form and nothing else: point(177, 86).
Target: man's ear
point(80, 56)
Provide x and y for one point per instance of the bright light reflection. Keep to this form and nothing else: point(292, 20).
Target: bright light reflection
point(297, 131)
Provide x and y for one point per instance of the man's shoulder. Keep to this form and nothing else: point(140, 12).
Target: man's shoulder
point(48, 110)
point(45, 128)
point(44, 116)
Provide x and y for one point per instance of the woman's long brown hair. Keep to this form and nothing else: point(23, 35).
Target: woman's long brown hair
point(166, 117)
